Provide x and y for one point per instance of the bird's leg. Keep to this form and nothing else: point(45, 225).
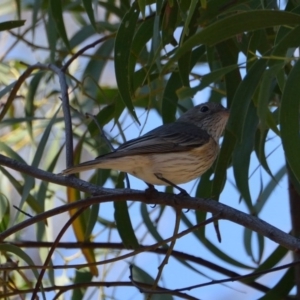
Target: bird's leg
point(151, 189)
point(182, 191)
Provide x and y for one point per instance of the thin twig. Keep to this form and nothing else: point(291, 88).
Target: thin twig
point(146, 248)
point(77, 54)
point(53, 247)
point(145, 286)
point(108, 143)
point(67, 116)
point(22, 211)
point(102, 134)
point(169, 251)
point(237, 278)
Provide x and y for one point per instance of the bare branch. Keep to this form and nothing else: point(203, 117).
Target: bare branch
point(177, 201)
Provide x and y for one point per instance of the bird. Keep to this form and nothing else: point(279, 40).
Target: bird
point(171, 154)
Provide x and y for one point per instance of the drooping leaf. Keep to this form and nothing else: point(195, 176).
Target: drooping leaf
point(123, 221)
point(57, 14)
point(88, 5)
point(234, 24)
point(11, 24)
point(289, 120)
point(4, 212)
point(123, 44)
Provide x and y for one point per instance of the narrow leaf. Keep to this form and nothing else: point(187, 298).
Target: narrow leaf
point(90, 12)
point(124, 225)
point(122, 53)
point(243, 97)
point(289, 120)
point(235, 24)
point(11, 24)
point(57, 14)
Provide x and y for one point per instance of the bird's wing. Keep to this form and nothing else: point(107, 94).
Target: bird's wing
point(175, 137)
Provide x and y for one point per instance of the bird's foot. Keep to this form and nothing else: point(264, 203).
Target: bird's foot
point(183, 192)
point(150, 192)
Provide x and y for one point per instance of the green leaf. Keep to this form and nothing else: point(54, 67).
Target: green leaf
point(149, 224)
point(282, 288)
point(124, 225)
point(245, 91)
point(90, 12)
point(57, 14)
point(142, 7)
point(11, 24)
point(52, 37)
point(248, 236)
point(142, 276)
point(289, 120)
point(11, 153)
point(206, 80)
point(273, 259)
point(259, 147)
point(31, 201)
point(169, 23)
point(4, 212)
point(189, 24)
point(42, 191)
point(222, 164)
point(110, 8)
point(7, 89)
point(242, 153)
point(204, 190)
point(170, 99)
point(43, 142)
point(123, 222)
point(123, 44)
point(211, 9)
point(30, 96)
point(140, 39)
point(81, 276)
point(35, 10)
point(228, 53)
point(265, 93)
point(228, 27)
point(94, 68)
point(269, 189)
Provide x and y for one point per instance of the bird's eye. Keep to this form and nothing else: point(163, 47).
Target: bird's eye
point(204, 109)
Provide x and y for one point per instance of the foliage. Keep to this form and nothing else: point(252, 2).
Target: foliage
point(243, 53)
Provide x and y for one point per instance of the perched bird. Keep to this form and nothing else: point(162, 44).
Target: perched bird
point(170, 154)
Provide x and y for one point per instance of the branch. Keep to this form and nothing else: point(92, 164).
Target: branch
point(169, 251)
point(66, 110)
point(176, 201)
point(120, 246)
point(65, 288)
point(237, 278)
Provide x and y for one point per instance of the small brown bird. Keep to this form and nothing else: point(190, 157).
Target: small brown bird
point(170, 154)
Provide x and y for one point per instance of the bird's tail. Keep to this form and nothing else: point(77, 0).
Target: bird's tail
point(89, 165)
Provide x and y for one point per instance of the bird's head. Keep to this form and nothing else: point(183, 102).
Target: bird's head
point(211, 117)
